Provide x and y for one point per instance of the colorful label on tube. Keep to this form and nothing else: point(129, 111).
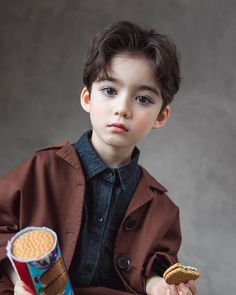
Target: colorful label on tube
point(46, 275)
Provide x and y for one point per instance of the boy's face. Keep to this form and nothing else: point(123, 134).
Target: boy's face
point(125, 106)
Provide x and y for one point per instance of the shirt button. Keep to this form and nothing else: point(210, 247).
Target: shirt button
point(100, 219)
point(123, 262)
point(110, 173)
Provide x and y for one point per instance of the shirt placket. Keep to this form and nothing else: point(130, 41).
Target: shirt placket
point(103, 192)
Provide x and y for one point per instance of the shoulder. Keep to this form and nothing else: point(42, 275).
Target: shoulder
point(57, 154)
point(46, 165)
point(40, 158)
point(52, 148)
point(43, 155)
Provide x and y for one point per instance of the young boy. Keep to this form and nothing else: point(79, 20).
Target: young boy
point(117, 228)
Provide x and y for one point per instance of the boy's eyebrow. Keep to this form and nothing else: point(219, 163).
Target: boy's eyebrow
point(140, 87)
point(150, 88)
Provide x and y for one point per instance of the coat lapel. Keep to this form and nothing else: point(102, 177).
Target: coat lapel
point(144, 191)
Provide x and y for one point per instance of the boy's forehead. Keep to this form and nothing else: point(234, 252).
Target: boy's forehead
point(124, 60)
point(121, 59)
point(134, 68)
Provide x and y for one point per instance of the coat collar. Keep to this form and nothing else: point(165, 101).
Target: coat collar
point(68, 153)
point(145, 191)
point(146, 187)
point(151, 181)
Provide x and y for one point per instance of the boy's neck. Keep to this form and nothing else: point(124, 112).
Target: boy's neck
point(114, 157)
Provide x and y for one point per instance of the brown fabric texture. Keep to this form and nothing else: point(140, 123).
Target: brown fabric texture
point(48, 190)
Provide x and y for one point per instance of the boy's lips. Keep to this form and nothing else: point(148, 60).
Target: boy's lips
point(119, 126)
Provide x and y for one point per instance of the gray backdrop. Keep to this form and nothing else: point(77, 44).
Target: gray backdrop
point(43, 46)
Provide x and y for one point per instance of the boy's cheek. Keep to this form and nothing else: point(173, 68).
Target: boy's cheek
point(98, 110)
point(144, 122)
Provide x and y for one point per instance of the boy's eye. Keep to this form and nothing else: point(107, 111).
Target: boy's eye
point(109, 91)
point(143, 99)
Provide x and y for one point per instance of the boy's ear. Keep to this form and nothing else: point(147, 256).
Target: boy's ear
point(85, 99)
point(162, 118)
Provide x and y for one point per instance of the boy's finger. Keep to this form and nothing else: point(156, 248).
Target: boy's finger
point(192, 286)
point(173, 290)
point(184, 289)
point(27, 288)
point(19, 289)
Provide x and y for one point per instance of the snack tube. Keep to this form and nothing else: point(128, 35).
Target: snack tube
point(43, 275)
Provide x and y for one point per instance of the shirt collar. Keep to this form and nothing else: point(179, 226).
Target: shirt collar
point(93, 164)
point(130, 173)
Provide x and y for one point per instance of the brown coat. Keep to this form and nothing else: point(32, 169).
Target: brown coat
point(48, 190)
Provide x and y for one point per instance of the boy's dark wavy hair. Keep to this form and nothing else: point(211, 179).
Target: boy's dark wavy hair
point(128, 37)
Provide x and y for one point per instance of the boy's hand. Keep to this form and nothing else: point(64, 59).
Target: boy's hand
point(20, 289)
point(157, 286)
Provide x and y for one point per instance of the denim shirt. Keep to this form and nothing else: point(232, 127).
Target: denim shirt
point(108, 193)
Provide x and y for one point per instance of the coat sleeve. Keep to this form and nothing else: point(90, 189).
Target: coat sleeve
point(6, 286)
point(166, 253)
point(11, 187)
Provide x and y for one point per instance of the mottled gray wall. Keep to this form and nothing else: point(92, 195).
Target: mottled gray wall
point(43, 44)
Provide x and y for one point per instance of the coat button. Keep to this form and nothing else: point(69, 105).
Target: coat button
point(123, 262)
point(129, 223)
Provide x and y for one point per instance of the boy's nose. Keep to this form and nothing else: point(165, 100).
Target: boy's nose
point(122, 109)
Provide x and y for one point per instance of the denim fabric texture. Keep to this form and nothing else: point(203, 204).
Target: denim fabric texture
point(108, 193)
